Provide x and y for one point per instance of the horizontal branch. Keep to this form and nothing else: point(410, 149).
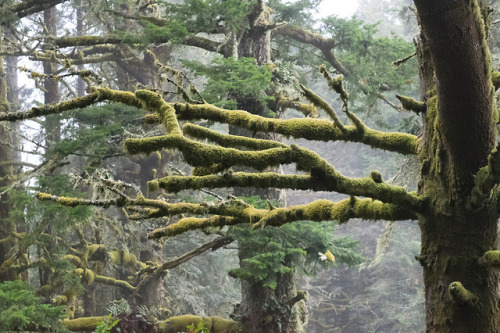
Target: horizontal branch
point(318, 211)
point(44, 110)
point(193, 223)
point(333, 183)
point(114, 282)
point(342, 211)
point(29, 7)
point(201, 154)
point(311, 129)
point(190, 40)
point(490, 259)
point(227, 140)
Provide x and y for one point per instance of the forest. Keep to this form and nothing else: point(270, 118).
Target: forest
point(249, 166)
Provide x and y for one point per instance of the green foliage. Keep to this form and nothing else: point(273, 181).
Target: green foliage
point(106, 325)
point(299, 12)
point(150, 33)
point(200, 328)
point(211, 15)
point(28, 211)
point(273, 251)
point(89, 131)
point(369, 58)
point(232, 82)
point(19, 307)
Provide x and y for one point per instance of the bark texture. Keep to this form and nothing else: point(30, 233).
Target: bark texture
point(461, 296)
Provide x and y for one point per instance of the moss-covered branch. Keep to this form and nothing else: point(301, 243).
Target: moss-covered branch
point(352, 186)
point(190, 40)
point(83, 324)
point(410, 104)
point(321, 103)
point(114, 282)
point(193, 223)
point(201, 154)
point(342, 211)
point(29, 7)
point(490, 259)
point(460, 295)
point(320, 210)
point(227, 140)
point(45, 110)
point(172, 325)
point(311, 129)
point(215, 324)
point(308, 110)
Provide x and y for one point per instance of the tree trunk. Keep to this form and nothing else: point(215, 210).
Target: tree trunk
point(461, 295)
point(263, 309)
point(7, 153)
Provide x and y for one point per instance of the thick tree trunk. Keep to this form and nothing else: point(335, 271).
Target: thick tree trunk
point(461, 295)
point(450, 252)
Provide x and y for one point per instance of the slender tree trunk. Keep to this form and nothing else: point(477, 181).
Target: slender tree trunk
point(263, 309)
point(7, 153)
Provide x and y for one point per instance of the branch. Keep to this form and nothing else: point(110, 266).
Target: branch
point(412, 105)
point(114, 282)
point(213, 245)
point(318, 211)
point(315, 39)
point(490, 259)
point(311, 129)
point(29, 7)
point(336, 182)
point(45, 110)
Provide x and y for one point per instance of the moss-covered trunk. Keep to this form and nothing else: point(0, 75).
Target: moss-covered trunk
point(451, 246)
point(457, 227)
point(263, 309)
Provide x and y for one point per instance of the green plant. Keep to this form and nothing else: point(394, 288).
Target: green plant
point(200, 328)
point(107, 324)
point(21, 309)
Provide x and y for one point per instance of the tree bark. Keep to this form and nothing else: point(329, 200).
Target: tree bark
point(461, 296)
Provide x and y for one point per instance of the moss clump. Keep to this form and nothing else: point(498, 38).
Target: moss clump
point(460, 295)
point(153, 185)
point(411, 105)
point(376, 176)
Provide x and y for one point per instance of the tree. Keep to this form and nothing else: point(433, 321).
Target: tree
point(456, 203)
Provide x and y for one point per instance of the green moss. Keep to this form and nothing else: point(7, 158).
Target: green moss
point(460, 295)
point(153, 185)
point(411, 105)
point(376, 176)
point(73, 259)
point(83, 324)
point(490, 259)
